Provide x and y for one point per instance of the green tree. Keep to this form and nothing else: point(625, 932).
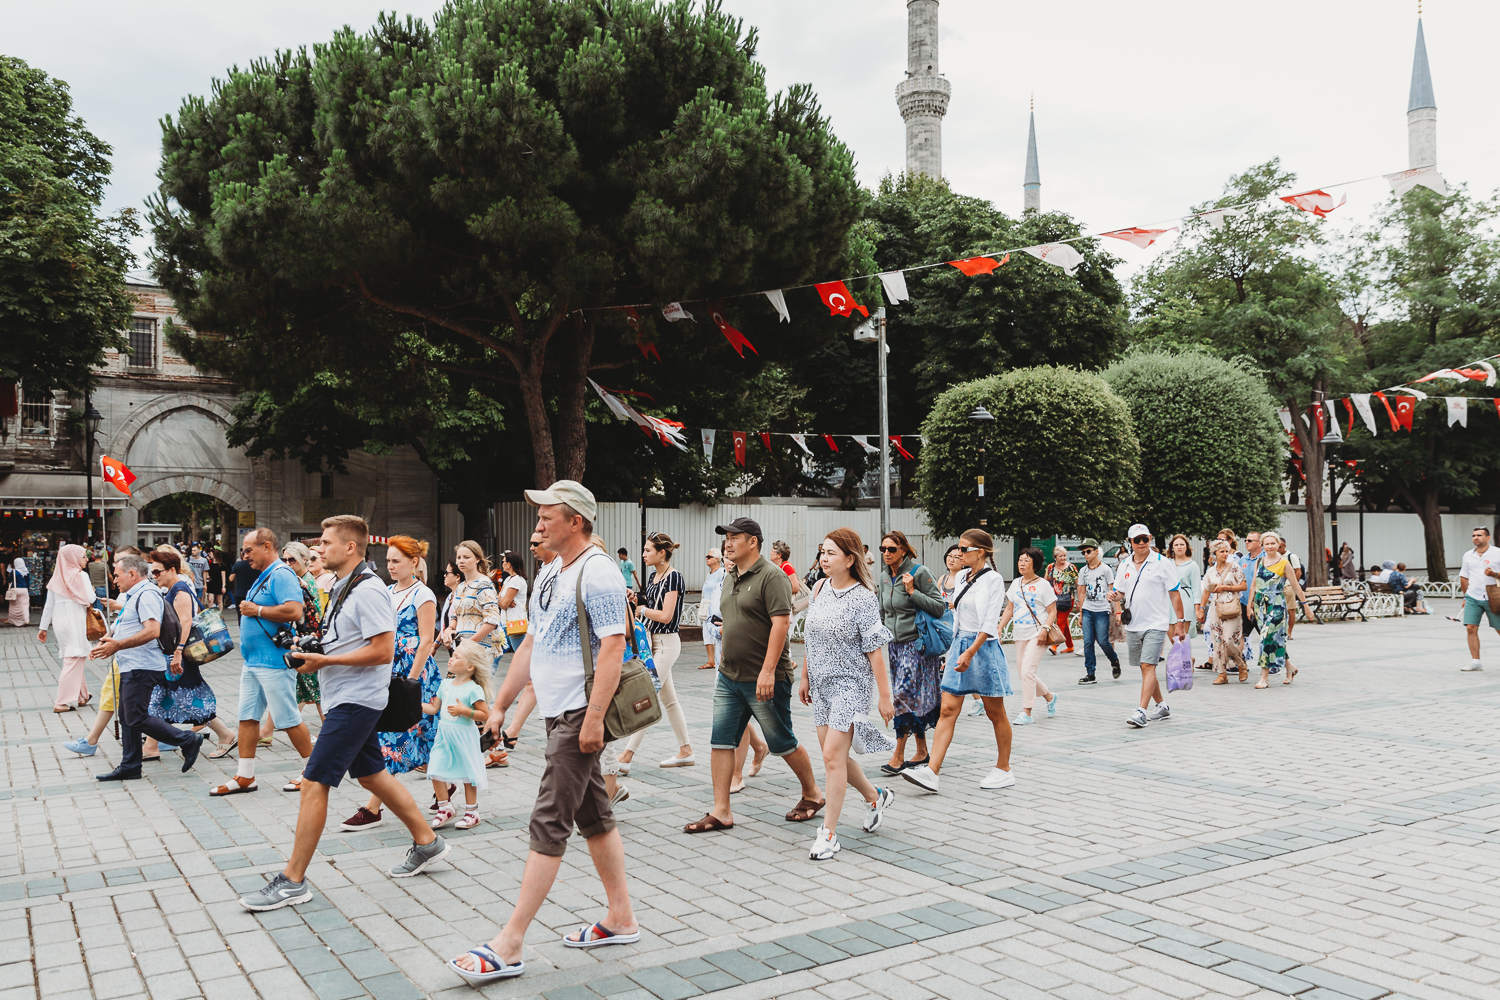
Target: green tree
point(62, 266)
point(455, 200)
point(1245, 288)
point(1063, 456)
point(1209, 438)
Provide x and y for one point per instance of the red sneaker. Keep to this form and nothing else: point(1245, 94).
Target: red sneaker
point(362, 820)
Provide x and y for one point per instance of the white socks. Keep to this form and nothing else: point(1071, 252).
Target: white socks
point(246, 768)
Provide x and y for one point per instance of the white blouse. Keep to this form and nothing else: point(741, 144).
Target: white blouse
point(982, 606)
point(71, 625)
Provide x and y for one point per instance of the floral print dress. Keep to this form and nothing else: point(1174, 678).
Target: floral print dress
point(843, 628)
point(409, 750)
point(1270, 614)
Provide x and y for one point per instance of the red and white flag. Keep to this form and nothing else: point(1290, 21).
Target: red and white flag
point(1142, 238)
point(839, 300)
point(1333, 434)
point(1059, 254)
point(1362, 404)
point(1406, 409)
point(977, 265)
point(765, 439)
point(801, 441)
point(674, 312)
point(1458, 410)
point(1318, 202)
point(863, 440)
point(708, 445)
point(896, 442)
point(828, 440)
point(736, 339)
point(739, 448)
point(116, 474)
point(1403, 181)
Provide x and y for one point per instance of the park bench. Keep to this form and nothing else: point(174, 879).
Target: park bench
point(1329, 603)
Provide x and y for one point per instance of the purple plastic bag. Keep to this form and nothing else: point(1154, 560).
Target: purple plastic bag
point(1180, 666)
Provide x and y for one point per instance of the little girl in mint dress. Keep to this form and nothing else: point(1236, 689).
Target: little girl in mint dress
point(461, 705)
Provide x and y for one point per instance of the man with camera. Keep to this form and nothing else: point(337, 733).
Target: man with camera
point(270, 607)
point(353, 665)
point(1150, 608)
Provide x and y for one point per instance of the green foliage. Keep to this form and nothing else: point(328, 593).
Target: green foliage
point(1025, 313)
point(1211, 444)
point(1063, 456)
point(430, 206)
point(62, 267)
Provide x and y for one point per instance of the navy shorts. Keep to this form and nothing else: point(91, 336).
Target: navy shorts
point(348, 744)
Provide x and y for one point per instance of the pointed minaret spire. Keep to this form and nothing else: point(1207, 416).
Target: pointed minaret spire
point(1421, 107)
point(1032, 185)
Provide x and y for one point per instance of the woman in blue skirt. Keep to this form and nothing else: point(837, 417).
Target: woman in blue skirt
point(974, 665)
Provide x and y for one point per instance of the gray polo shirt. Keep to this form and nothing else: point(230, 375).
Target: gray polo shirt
point(142, 603)
point(367, 613)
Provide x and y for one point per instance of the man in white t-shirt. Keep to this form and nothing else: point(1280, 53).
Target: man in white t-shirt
point(1146, 586)
point(1095, 580)
point(1480, 568)
point(572, 791)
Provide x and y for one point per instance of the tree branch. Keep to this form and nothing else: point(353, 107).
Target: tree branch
point(499, 347)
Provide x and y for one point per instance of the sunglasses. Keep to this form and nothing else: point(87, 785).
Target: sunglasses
point(653, 536)
point(890, 548)
point(1138, 539)
point(1088, 550)
point(970, 548)
point(535, 544)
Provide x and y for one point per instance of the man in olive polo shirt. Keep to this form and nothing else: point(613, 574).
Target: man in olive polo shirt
point(755, 678)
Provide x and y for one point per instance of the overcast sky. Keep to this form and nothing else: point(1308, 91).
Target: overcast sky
point(1143, 108)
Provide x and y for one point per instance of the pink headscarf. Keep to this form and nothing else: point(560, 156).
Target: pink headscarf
point(68, 577)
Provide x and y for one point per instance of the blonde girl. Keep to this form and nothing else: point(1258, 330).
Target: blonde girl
point(462, 706)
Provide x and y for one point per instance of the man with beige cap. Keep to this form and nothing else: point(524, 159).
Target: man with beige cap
point(572, 788)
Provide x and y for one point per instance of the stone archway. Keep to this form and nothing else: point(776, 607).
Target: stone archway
point(159, 488)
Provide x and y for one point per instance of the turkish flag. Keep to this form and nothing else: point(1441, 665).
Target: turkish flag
point(1142, 238)
point(896, 441)
point(1318, 416)
point(839, 300)
point(116, 474)
point(646, 347)
point(1348, 405)
point(1406, 408)
point(739, 448)
point(765, 439)
point(1395, 424)
point(828, 438)
point(736, 339)
point(977, 265)
point(1319, 203)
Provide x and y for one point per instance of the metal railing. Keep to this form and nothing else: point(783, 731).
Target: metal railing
point(41, 418)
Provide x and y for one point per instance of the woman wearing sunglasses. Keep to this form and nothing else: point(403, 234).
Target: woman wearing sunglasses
point(907, 587)
point(661, 608)
point(975, 664)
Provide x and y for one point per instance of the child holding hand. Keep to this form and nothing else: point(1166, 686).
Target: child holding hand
point(461, 705)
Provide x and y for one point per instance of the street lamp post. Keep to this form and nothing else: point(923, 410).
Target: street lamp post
point(981, 418)
point(92, 418)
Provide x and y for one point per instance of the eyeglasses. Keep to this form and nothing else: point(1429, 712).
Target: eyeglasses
point(890, 548)
point(1138, 539)
point(970, 548)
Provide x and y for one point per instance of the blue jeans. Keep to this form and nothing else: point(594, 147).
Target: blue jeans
point(734, 705)
point(1096, 629)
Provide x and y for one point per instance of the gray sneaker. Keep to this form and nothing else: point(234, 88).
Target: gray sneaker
point(280, 891)
point(418, 857)
point(1162, 711)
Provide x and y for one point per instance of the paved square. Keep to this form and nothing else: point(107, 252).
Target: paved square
point(1336, 839)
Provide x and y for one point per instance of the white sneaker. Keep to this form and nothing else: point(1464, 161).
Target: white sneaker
point(976, 707)
point(1137, 719)
point(1162, 711)
point(883, 797)
point(622, 793)
point(679, 761)
point(1473, 665)
point(998, 779)
point(921, 776)
point(825, 847)
point(1021, 719)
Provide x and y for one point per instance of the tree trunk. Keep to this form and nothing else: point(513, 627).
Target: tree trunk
point(535, 403)
point(572, 430)
point(1432, 535)
point(1312, 465)
point(195, 525)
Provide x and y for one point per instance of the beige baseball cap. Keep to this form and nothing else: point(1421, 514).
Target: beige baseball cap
point(575, 495)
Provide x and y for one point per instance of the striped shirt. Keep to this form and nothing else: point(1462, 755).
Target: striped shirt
point(655, 598)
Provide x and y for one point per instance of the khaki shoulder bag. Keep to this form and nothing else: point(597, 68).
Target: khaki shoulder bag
point(634, 705)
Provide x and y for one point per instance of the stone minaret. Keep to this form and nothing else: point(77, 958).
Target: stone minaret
point(923, 95)
point(1032, 185)
point(1421, 109)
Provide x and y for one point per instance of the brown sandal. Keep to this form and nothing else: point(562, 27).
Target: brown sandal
point(1221, 679)
point(497, 758)
point(708, 824)
point(806, 806)
point(235, 787)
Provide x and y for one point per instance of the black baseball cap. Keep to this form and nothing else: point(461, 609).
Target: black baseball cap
point(742, 526)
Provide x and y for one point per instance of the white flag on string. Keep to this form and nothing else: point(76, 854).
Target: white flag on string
point(1059, 254)
point(1489, 369)
point(1458, 410)
point(1403, 181)
point(1362, 404)
point(708, 445)
point(618, 408)
point(779, 301)
point(801, 442)
point(894, 283)
point(1331, 432)
point(1286, 419)
point(863, 440)
point(1407, 389)
point(674, 312)
point(1216, 218)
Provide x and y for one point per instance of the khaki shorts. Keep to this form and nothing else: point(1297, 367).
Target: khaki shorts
point(107, 696)
point(571, 792)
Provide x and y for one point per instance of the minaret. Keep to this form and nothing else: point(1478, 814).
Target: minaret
point(923, 95)
point(1032, 185)
point(1421, 108)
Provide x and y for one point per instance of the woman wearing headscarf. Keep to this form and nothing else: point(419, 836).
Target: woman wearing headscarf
point(69, 595)
point(18, 576)
point(1347, 568)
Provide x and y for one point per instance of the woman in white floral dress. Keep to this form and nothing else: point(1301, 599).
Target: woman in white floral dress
point(843, 668)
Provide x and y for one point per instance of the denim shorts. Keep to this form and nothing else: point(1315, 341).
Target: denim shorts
point(347, 744)
point(735, 703)
point(1144, 648)
point(267, 687)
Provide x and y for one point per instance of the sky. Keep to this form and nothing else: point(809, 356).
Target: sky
point(1143, 108)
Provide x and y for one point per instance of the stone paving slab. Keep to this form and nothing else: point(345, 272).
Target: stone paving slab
point(1320, 841)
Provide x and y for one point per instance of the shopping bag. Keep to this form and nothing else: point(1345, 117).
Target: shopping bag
point(1180, 666)
point(209, 638)
point(403, 706)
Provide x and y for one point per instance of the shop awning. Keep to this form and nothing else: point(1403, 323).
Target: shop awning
point(54, 489)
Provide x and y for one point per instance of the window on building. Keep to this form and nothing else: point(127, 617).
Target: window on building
point(142, 343)
point(36, 413)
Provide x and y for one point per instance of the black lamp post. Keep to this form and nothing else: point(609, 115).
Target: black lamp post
point(981, 418)
point(92, 418)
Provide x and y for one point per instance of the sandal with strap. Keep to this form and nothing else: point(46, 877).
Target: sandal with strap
point(804, 810)
point(585, 937)
point(234, 787)
point(497, 757)
point(224, 749)
point(294, 785)
point(708, 824)
point(444, 815)
point(488, 967)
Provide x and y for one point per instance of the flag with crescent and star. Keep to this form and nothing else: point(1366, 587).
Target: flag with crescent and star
point(1142, 238)
point(116, 474)
point(736, 339)
point(739, 448)
point(839, 300)
point(1318, 202)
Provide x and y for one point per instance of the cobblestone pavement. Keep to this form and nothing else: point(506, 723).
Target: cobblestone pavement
point(1337, 838)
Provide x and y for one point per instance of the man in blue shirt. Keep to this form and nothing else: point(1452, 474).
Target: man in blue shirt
point(135, 649)
point(272, 602)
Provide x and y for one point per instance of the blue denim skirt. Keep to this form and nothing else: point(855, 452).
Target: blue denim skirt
point(988, 675)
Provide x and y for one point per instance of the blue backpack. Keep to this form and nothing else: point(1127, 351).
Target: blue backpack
point(935, 634)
